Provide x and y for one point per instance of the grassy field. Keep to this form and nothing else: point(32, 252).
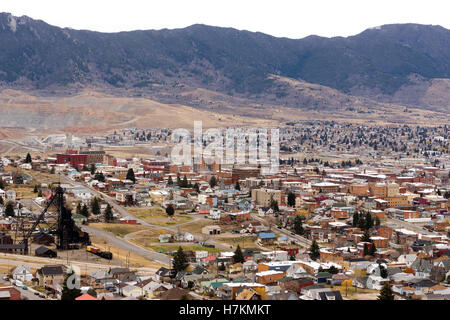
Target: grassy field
point(197, 226)
point(157, 216)
point(23, 191)
point(174, 247)
point(148, 237)
point(353, 293)
point(120, 230)
point(244, 242)
point(42, 177)
point(135, 260)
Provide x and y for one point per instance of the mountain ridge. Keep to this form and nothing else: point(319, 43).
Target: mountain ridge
point(385, 64)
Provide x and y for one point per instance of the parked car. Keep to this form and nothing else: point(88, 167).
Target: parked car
point(18, 283)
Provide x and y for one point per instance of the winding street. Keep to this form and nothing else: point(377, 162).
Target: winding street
point(124, 243)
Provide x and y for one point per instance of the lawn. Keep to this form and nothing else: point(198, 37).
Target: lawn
point(157, 216)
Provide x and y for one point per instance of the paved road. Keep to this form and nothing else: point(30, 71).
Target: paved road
point(125, 213)
point(410, 226)
point(14, 260)
point(124, 244)
point(302, 241)
point(26, 294)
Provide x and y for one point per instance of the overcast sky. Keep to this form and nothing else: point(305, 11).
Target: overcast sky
point(281, 18)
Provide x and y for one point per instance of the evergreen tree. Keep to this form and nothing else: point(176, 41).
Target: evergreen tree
point(361, 221)
point(28, 158)
point(180, 262)
point(84, 168)
point(184, 183)
point(365, 250)
point(170, 210)
point(377, 221)
point(274, 206)
point(333, 270)
point(237, 186)
point(108, 214)
point(69, 294)
point(213, 182)
point(40, 193)
point(366, 236)
point(373, 249)
point(178, 181)
point(369, 221)
point(291, 199)
point(99, 176)
point(2, 186)
point(78, 210)
point(170, 181)
point(386, 293)
point(93, 168)
point(383, 272)
point(9, 210)
point(314, 251)
point(130, 175)
point(35, 190)
point(85, 211)
point(52, 170)
point(1, 201)
point(298, 225)
point(355, 219)
point(238, 256)
point(95, 207)
point(197, 187)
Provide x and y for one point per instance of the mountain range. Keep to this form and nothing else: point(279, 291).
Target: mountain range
point(397, 66)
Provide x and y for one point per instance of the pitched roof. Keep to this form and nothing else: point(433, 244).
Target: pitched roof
point(86, 296)
point(330, 295)
point(174, 294)
point(51, 270)
point(267, 235)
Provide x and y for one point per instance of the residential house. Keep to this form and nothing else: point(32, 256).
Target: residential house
point(422, 267)
point(296, 271)
point(249, 266)
point(131, 291)
point(268, 277)
point(22, 273)
point(51, 275)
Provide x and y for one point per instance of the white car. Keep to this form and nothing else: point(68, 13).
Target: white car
point(18, 283)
